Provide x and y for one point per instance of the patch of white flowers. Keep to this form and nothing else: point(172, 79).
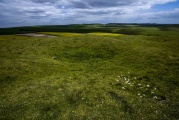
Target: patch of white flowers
point(132, 83)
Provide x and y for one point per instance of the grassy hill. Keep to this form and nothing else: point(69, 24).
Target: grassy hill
point(94, 74)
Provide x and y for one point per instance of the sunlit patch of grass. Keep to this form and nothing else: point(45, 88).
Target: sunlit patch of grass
point(68, 34)
point(105, 34)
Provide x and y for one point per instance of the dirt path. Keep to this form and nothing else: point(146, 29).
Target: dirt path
point(35, 35)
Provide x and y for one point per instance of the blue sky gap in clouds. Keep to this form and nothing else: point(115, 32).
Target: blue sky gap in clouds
point(47, 12)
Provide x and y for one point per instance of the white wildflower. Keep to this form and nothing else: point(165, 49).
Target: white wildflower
point(139, 84)
point(123, 87)
point(138, 93)
point(155, 97)
point(126, 82)
point(148, 85)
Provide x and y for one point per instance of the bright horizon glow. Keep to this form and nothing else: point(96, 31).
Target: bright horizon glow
point(16, 13)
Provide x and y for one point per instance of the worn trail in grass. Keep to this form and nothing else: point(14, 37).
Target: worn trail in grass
point(89, 77)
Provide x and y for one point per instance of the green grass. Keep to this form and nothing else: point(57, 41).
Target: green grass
point(89, 76)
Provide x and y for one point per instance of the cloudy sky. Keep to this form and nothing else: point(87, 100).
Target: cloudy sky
point(51, 12)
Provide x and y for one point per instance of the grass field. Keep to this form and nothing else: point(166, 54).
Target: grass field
point(96, 75)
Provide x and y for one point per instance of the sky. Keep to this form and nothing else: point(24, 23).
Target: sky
point(15, 13)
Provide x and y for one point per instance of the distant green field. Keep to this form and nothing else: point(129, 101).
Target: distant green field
point(121, 75)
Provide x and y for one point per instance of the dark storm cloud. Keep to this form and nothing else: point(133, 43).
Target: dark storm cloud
point(44, 1)
point(80, 4)
point(92, 4)
point(89, 3)
point(108, 3)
